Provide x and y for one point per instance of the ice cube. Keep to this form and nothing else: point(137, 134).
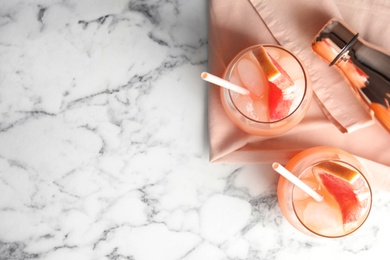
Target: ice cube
point(244, 103)
point(292, 67)
point(235, 79)
point(300, 195)
point(252, 76)
point(298, 94)
point(274, 53)
point(254, 108)
point(261, 110)
point(323, 218)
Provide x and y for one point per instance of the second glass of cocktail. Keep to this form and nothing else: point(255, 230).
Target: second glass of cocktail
point(339, 179)
point(279, 87)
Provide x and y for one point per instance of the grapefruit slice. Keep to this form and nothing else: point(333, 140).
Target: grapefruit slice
point(281, 87)
point(278, 106)
point(339, 182)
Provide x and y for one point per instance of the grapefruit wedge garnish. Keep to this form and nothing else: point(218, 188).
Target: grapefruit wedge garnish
point(281, 87)
point(340, 182)
point(266, 63)
point(278, 106)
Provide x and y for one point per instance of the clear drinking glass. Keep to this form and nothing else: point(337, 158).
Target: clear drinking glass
point(249, 112)
point(346, 204)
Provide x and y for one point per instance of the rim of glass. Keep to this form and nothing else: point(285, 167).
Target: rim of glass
point(233, 63)
point(366, 214)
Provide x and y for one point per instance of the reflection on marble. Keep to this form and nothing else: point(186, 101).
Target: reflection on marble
point(103, 144)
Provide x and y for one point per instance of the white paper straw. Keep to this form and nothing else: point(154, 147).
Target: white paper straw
point(291, 177)
point(224, 83)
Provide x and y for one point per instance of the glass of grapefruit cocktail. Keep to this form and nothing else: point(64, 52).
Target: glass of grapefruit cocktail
point(340, 179)
point(279, 87)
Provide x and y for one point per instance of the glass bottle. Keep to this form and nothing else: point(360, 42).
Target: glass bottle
point(365, 65)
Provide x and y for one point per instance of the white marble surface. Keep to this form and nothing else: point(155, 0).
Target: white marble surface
point(103, 144)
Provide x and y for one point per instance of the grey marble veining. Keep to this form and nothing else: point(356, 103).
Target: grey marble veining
point(103, 144)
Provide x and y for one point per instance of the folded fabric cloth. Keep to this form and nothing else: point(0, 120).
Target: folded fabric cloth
point(335, 117)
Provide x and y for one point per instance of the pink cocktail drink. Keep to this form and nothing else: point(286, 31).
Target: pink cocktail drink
point(280, 90)
point(340, 179)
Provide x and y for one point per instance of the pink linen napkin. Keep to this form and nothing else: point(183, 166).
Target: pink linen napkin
point(235, 25)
